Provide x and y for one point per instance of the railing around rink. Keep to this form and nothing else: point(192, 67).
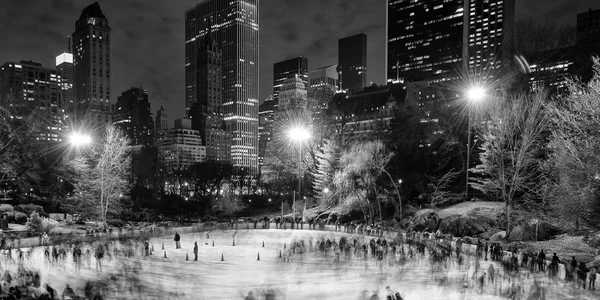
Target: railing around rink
point(156, 231)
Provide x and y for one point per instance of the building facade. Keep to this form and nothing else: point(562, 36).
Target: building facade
point(133, 116)
point(65, 72)
point(161, 124)
point(288, 69)
point(36, 88)
point(91, 59)
point(323, 84)
point(352, 62)
point(234, 25)
point(293, 94)
point(181, 147)
point(266, 116)
point(206, 113)
point(440, 40)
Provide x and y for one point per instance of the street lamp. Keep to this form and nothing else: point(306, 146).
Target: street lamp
point(474, 95)
point(298, 135)
point(78, 139)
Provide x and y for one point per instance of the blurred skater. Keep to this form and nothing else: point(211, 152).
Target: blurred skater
point(195, 251)
point(207, 237)
point(249, 297)
point(177, 239)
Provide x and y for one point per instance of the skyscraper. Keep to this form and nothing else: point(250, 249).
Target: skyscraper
point(352, 62)
point(234, 25)
point(437, 41)
point(161, 123)
point(266, 116)
point(287, 69)
point(36, 88)
point(91, 59)
point(65, 72)
point(323, 83)
point(133, 116)
point(206, 113)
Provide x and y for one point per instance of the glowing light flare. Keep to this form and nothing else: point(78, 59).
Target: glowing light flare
point(77, 139)
point(476, 94)
point(298, 134)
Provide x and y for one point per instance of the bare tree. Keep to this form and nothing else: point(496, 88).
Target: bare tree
point(511, 131)
point(439, 187)
point(103, 179)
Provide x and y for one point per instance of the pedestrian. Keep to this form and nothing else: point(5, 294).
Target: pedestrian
point(391, 294)
point(177, 239)
point(195, 251)
point(68, 293)
point(592, 277)
point(50, 291)
point(207, 237)
point(554, 265)
point(249, 297)
point(541, 260)
point(491, 272)
point(44, 239)
point(571, 268)
point(486, 250)
point(375, 296)
point(582, 274)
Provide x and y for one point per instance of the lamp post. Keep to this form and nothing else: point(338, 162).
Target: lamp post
point(298, 135)
point(474, 95)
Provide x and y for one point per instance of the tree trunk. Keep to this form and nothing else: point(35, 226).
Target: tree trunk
point(507, 219)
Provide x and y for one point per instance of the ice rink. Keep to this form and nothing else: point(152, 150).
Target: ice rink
point(309, 277)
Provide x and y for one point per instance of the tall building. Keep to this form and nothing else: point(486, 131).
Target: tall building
point(181, 147)
point(91, 59)
point(234, 26)
point(352, 62)
point(323, 84)
point(161, 123)
point(266, 116)
point(287, 69)
point(133, 116)
point(490, 35)
point(293, 94)
point(37, 88)
point(65, 72)
point(206, 113)
point(437, 41)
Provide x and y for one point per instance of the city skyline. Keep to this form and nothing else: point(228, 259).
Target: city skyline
point(138, 56)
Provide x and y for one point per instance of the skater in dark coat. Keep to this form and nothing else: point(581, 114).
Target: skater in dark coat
point(177, 239)
point(195, 251)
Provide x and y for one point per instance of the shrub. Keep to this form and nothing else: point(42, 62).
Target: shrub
point(6, 208)
point(10, 216)
point(20, 218)
point(38, 224)
point(115, 223)
point(29, 208)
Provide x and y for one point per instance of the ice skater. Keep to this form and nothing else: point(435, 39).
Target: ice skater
point(177, 239)
point(207, 237)
point(195, 251)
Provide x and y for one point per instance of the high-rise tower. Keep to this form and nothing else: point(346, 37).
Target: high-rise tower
point(133, 116)
point(91, 59)
point(439, 40)
point(234, 26)
point(65, 72)
point(352, 62)
point(287, 69)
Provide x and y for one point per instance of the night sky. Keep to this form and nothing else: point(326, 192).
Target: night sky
point(148, 36)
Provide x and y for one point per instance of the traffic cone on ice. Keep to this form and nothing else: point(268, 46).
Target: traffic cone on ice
point(280, 253)
point(222, 257)
point(258, 257)
point(165, 254)
point(263, 244)
point(213, 243)
point(186, 257)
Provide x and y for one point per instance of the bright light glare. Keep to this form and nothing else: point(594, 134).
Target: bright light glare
point(325, 190)
point(476, 94)
point(298, 134)
point(77, 139)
